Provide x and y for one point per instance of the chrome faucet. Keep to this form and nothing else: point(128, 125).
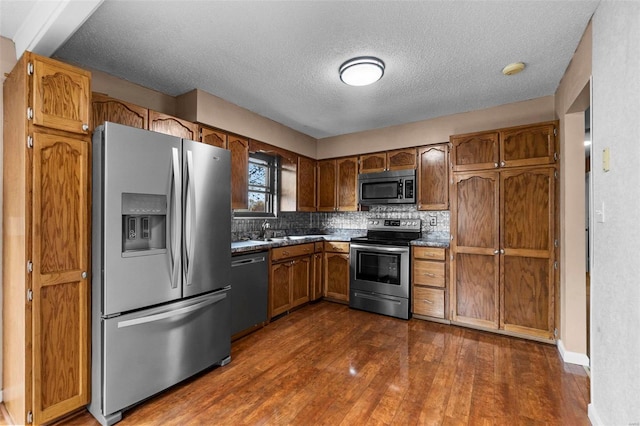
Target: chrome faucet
point(263, 229)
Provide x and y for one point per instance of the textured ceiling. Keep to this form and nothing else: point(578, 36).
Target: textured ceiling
point(280, 59)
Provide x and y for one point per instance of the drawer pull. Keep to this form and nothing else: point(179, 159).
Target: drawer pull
point(429, 274)
point(428, 301)
point(286, 253)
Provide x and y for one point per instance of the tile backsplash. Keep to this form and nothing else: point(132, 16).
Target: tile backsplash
point(300, 223)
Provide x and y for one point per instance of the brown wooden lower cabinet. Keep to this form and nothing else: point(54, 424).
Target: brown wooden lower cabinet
point(429, 281)
point(336, 271)
point(290, 277)
point(316, 272)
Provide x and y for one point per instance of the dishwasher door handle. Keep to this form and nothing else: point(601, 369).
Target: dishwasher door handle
point(243, 262)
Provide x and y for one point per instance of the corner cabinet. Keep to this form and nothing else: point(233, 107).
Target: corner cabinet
point(338, 184)
point(433, 177)
point(46, 240)
point(336, 271)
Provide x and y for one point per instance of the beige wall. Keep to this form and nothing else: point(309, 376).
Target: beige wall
point(570, 102)
point(130, 92)
point(206, 108)
point(7, 61)
point(439, 129)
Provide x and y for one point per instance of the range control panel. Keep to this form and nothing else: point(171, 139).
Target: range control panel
point(382, 224)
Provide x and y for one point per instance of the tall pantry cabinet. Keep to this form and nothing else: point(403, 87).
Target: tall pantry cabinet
point(503, 209)
point(46, 239)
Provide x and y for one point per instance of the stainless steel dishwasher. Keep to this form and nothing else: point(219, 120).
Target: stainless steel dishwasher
point(249, 290)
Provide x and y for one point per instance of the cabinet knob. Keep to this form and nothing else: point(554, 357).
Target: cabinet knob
point(85, 127)
point(495, 165)
point(502, 164)
point(496, 251)
point(501, 251)
point(83, 275)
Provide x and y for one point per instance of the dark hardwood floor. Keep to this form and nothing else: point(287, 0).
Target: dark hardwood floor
point(327, 364)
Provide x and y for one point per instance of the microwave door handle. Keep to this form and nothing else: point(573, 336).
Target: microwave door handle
point(400, 190)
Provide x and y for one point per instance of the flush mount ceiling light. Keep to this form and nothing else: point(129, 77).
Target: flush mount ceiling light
point(513, 68)
point(361, 71)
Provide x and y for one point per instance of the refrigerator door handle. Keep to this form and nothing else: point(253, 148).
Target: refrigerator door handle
point(189, 218)
point(169, 314)
point(175, 202)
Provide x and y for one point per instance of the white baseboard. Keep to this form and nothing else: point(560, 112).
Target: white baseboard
point(594, 418)
point(572, 357)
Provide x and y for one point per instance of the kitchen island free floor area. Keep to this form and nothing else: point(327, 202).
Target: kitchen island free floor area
point(328, 364)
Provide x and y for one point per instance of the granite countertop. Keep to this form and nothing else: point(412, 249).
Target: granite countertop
point(237, 247)
point(436, 239)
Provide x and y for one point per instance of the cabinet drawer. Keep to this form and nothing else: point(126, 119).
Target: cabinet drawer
point(434, 253)
point(336, 247)
point(291, 251)
point(428, 301)
point(428, 273)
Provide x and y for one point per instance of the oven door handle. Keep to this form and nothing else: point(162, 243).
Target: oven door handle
point(379, 249)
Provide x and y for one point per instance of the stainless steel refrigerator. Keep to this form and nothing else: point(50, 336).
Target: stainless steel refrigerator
point(161, 258)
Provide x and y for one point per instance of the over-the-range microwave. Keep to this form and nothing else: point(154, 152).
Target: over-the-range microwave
point(392, 187)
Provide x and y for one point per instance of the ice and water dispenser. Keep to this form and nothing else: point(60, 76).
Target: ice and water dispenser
point(144, 218)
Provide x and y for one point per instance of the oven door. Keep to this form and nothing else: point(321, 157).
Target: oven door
point(380, 269)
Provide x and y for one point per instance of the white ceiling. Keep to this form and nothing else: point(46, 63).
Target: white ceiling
point(280, 59)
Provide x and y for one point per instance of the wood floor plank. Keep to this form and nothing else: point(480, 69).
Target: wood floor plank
point(326, 364)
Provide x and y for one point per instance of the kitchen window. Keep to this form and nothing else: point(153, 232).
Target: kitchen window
point(262, 186)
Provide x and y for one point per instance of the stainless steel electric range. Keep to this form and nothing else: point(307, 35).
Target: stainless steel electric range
point(379, 267)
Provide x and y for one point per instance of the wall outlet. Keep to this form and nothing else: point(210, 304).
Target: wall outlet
point(433, 221)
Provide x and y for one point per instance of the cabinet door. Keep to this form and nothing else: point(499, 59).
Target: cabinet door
point(326, 185)
point(300, 274)
point(280, 299)
point(527, 146)
point(60, 316)
point(239, 148)
point(336, 276)
point(61, 96)
point(433, 177)
point(347, 184)
point(306, 197)
point(174, 126)
point(104, 108)
point(477, 151)
point(316, 277)
point(401, 159)
point(527, 234)
point(371, 163)
point(213, 137)
point(475, 247)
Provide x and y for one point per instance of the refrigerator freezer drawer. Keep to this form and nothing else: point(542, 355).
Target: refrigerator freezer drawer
point(146, 352)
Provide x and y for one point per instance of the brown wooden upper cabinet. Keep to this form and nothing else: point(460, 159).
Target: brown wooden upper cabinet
point(213, 137)
point(239, 148)
point(433, 177)
point(105, 108)
point(60, 95)
point(170, 125)
point(338, 184)
point(528, 145)
point(306, 188)
point(398, 159)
